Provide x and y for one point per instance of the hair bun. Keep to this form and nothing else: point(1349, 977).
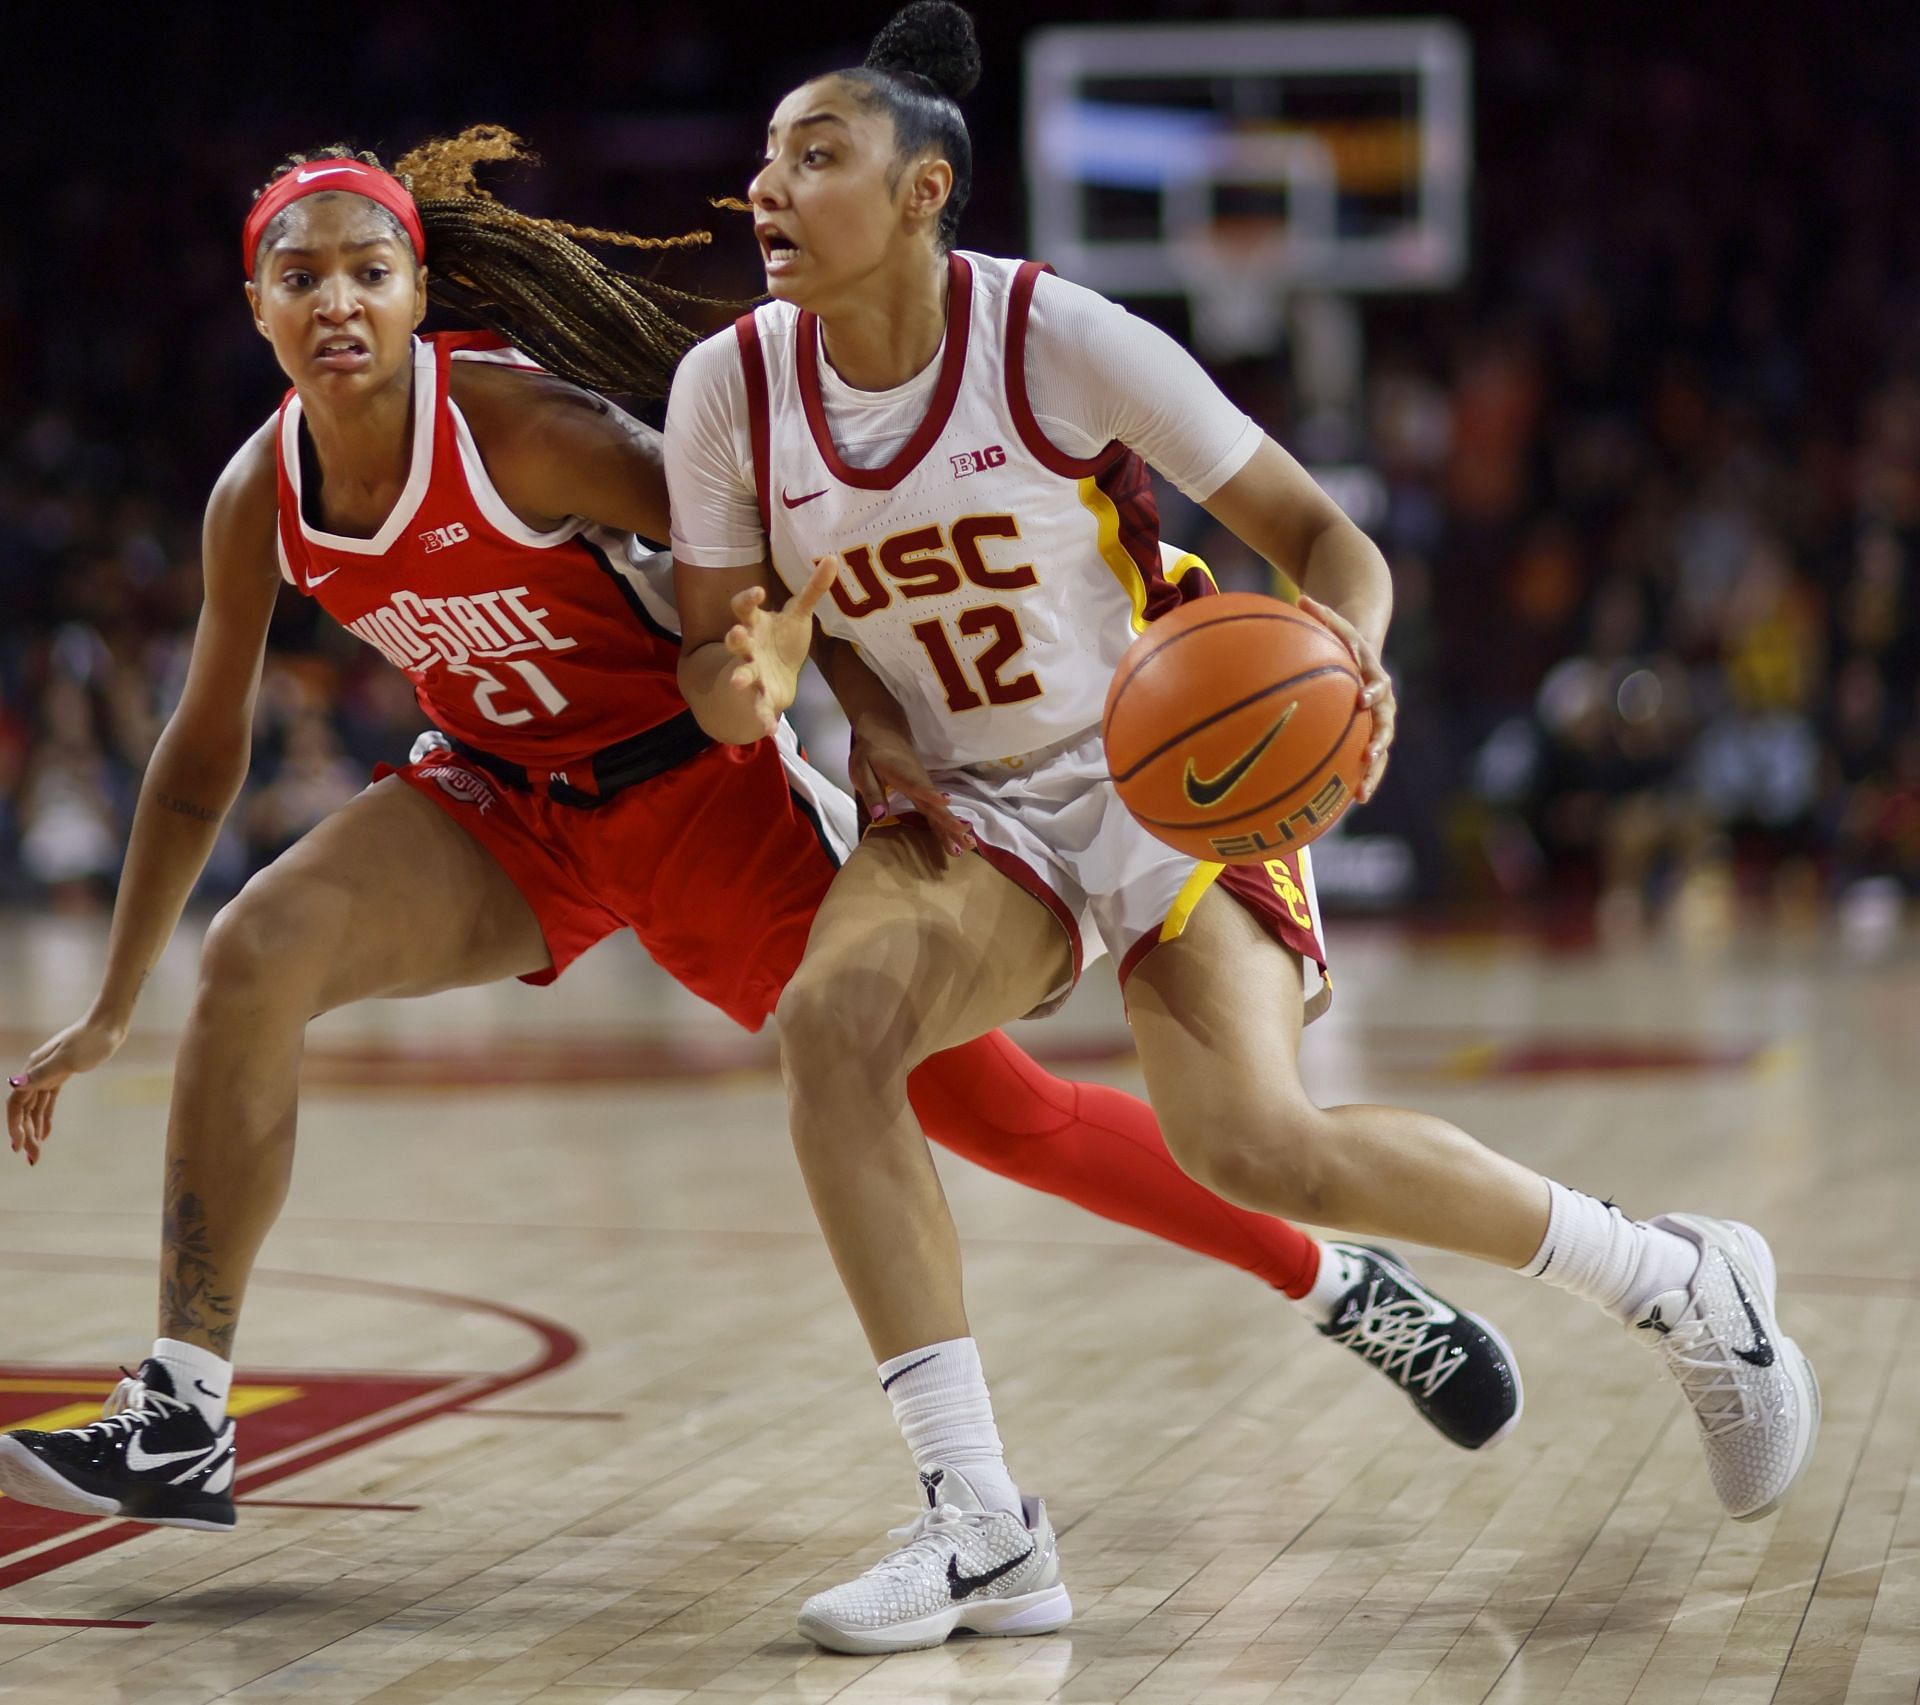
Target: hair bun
point(933, 39)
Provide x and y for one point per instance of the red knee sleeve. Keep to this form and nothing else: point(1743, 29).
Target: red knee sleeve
point(1098, 1147)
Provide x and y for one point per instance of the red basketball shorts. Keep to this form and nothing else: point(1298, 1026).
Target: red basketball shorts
point(717, 865)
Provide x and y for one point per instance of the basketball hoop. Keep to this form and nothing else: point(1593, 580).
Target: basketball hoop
point(1235, 273)
point(1236, 268)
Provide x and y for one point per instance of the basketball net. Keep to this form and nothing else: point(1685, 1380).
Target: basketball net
point(1234, 273)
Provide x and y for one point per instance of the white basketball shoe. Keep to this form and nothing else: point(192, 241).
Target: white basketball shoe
point(959, 1565)
point(1753, 1393)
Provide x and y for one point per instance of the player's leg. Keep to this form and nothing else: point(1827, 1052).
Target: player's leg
point(1104, 1150)
point(1098, 1148)
point(1224, 993)
point(985, 1100)
point(1216, 1015)
point(736, 934)
point(389, 896)
point(910, 954)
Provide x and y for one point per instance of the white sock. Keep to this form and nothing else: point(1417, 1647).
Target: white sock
point(199, 1376)
point(1339, 1273)
point(1595, 1251)
point(944, 1413)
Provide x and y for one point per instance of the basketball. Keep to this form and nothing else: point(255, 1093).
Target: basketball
point(1233, 728)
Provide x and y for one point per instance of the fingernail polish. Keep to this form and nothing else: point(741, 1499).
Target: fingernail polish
point(18, 1082)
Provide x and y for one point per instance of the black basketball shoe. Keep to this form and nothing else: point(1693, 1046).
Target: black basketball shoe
point(151, 1457)
point(1457, 1370)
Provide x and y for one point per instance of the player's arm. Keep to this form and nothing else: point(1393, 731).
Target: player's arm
point(743, 640)
point(1274, 505)
point(743, 643)
point(1113, 376)
point(196, 772)
point(882, 759)
point(554, 450)
point(563, 451)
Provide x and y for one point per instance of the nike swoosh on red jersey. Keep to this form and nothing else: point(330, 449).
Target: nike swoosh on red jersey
point(795, 502)
point(314, 580)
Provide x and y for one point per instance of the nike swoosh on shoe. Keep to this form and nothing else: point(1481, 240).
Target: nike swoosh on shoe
point(960, 1585)
point(1761, 1355)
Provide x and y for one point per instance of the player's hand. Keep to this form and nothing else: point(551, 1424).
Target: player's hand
point(33, 1091)
point(769, 647)
point(1376, 693)
point(883, 761)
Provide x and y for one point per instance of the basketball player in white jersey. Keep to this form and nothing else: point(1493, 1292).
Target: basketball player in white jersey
point(958, 439)
point(432, 495)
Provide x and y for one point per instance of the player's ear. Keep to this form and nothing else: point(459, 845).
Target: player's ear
point(253, 308)
point(419, 293)
point(929, 185)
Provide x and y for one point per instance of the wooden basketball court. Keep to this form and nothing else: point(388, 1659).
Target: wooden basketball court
point(550, 1393)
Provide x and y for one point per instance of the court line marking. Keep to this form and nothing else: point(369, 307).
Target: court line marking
point(559, 1346)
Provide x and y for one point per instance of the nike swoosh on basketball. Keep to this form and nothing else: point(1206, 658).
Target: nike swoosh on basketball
point(960, 1585)
point(795, 502)
point(330, 171)
point(141, 1461)
point(1212, 789)
point(314, 580)
point(1761, 1355)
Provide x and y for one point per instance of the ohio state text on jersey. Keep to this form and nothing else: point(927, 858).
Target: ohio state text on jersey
point(542, 648)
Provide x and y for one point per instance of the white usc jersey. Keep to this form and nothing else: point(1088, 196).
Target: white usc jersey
point(991, 581)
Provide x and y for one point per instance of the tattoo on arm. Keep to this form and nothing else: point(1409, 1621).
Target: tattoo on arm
point(186, 807)
point(188, 1301)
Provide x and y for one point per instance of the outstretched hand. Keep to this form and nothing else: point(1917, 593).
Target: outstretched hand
point(883, 761)
point(33, 1091)
point(769, 647)
point(1376, 693)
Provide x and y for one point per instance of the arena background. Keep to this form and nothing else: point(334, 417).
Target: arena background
point(1651, 474)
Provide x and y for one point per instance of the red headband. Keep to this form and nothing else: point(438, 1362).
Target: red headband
point(317, 177)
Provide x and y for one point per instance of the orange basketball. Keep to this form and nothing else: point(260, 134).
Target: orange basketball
point(1233, 728)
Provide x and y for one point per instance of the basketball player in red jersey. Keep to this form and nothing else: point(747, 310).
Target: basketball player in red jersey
point(967, 435)
point(430, 493)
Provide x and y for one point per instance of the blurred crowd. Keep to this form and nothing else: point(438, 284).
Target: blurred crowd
point(1651, 477)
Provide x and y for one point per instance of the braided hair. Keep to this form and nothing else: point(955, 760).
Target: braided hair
point(529, 279)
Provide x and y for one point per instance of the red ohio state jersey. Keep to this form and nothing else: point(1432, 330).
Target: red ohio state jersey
point(541, 648)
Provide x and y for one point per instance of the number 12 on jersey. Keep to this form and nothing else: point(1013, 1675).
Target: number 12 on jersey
point(1007, 643)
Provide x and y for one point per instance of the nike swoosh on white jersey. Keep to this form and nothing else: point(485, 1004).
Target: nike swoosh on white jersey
point(308, 177)
point(141, 1461)
point(314, 580)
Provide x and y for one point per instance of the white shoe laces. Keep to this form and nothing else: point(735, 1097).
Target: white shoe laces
point(1705, 1371)
point(130, 1407)
point(933, 1533)
point(1394, 1334)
